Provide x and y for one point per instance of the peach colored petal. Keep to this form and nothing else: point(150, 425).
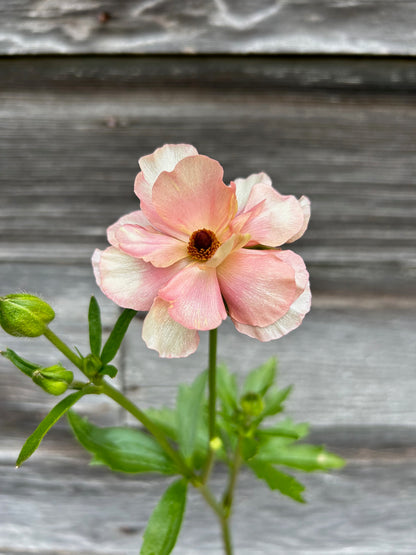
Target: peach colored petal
point(162, 159)
point(280, 219)
point(287, 323)
point(297, 263)
point(244, 187)
point(158, 248)
point(164, 335)
point(193, 196)
point(194, 298)
point(305, 205)
point(128, 281)
point(257, 287)
point(135, 218)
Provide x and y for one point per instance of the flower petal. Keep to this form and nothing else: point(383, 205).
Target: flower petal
point(244, 186)
point(305, 205)
point(163, 159)
point(279, 220)
point(129, 282)
point(167, 337)
point(257, 287)
point(158, 248)
point(193, 196)
point(134, 218)
point(195, 298)
point(287, 323)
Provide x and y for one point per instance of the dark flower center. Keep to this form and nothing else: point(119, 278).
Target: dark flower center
point(202, 244)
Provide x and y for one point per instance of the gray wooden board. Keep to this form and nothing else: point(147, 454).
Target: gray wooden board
point(351, 367)
point(208, 26)
point(69, 153)
point(59, 506)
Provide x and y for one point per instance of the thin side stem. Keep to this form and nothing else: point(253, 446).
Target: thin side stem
point(61, 346)
point(227, 499)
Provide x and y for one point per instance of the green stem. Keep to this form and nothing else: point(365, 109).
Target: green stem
point(223, 519)
point(130, 407)
point(227, 499)
point(226, 536)
point(61, 346)
point(212, 382)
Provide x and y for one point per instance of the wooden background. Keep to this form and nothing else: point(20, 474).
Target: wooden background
point(320, 94)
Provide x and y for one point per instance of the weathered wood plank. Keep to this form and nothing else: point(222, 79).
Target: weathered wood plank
point(69, 159)
point(157, 26)
point(352, 368)
point(60, 506)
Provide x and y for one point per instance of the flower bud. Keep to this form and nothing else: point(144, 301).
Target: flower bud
point(92, 365)
point(252, 404)
point(54, 379)
point(25, 315)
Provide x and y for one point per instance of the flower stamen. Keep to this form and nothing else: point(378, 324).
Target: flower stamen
point(202, 244)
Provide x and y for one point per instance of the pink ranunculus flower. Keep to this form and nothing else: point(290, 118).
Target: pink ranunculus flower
point(189, 256)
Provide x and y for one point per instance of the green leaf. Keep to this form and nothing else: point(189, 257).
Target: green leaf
point(113, 343)
point(303, 457)
point(190, 411)
point(108, 370)
point(33, 441)
point(260, 379)
point(121, 449)
point(24, 365)
point(249, 448)
point(286, 428)
point(95, 327)
point(165, 522)
point(276, 480)
point(274, 399)
point(165, 419)
point(227, 389)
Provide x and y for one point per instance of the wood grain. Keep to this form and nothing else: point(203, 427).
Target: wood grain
point(69, 153)
point(62, 506)
point(375, 27)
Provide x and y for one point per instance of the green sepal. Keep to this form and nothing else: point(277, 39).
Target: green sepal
point(95, 326)
point(191, 415)
point(304, 457)
point(22, 364)
point(260, 379)
point(166, 520)
point(121, 449)
point(33, 441)
point(113, 343)
point(108, 370)
point(277, 480)
point(92, 365)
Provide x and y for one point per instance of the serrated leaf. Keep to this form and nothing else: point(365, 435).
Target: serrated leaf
point(276, 480)
point(166, 420)
point(95, 326)
point(303, 457)
point(260, 379)
point(121, 449)
point(274, 399)
point(22, 364)
point(165, 522)
point(33, 441)
point(227, 389)
point(190, 413)
point(113, 343)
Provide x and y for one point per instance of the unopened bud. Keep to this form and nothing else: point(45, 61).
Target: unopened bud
point(92, 365)
point(25, 315)
point(54, 379)
point(252, 404)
